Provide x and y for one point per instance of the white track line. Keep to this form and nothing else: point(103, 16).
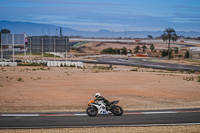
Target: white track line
point(80, 114)
point(166, 112)
point(20, 115)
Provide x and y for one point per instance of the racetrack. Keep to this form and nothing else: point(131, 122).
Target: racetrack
point(143, 62)
point(131, 118)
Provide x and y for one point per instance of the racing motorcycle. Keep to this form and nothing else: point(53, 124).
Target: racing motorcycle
point(96, 108)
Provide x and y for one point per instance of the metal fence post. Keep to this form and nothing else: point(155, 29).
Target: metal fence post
point(42, 49)
point(66, 48)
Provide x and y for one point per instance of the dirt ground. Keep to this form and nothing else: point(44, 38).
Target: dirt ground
point(158, 129)
point(54, 89)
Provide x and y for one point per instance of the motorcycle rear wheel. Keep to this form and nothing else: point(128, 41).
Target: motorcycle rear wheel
point(92, 111)
point(117, 110)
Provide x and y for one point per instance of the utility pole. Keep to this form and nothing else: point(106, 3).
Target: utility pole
point(112, 33)
point(66, 48)
point(13, 47)
point(56, 31)
point(42, 31)
point(24, 47)
point(30, 49)
point(1, 48)
point(42, 49)
point(1, 53)
point(54, 42)
point(125, 33)
point(61, 32)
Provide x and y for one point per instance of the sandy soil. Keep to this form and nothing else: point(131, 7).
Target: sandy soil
point(38, 89)
point(159, 129)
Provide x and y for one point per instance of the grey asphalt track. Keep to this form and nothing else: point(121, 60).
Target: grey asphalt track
point(140, 62)
point(143, 62)
point(131, 118)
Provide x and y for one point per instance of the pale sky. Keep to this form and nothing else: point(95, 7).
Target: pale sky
point(116, 15)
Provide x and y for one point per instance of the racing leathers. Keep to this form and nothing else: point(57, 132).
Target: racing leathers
point(101, 98)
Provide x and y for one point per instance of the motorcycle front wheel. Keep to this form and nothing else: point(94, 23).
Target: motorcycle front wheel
point(117, 110)
point(92, 111)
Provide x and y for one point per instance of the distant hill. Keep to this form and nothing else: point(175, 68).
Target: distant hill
point(35, 29)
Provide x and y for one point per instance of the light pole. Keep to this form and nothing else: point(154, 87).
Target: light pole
point(54, 42)
point(13, 47)
point(42, 49)
point(66, 49)
point(30, 49)
point(1, 53)
point(24, 49)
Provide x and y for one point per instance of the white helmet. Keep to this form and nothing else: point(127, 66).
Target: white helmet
point(97, 95)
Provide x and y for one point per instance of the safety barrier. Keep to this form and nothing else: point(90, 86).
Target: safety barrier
point(8, 63)
point(64, 64)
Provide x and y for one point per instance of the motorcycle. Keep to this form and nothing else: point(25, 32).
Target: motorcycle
point(96, 108)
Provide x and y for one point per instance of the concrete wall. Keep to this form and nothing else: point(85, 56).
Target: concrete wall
point(64, 63)
point(8, 63)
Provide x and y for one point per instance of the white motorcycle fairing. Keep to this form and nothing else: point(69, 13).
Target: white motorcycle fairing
point(97, 108)
point(101, 108)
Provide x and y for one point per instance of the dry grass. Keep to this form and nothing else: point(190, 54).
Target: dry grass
point(60, 89)
point(156, 129)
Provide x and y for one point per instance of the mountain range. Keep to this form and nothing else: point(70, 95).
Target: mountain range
point(36, 29)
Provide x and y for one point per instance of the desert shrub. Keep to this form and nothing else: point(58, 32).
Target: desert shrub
point(137, 48)
point(191, 71)
point(20, 79)
point(124, 50)
point(198, 79)
point(3, 70)
point(134, 70)
point(114, 51)
point(164, 53)
point(189, 78)
point(42, 68)
point(170, 69)
point(180, 56)
point(152, 47)
point(176, 50)
point(103, 67)
point(30, 64)
point(109, 51)
point(187, 54)
point(72, 65)
point(95, 71)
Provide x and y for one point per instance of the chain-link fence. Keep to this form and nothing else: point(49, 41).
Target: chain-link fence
point(194, 52)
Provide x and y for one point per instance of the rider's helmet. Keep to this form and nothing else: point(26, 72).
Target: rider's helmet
point(97, 95)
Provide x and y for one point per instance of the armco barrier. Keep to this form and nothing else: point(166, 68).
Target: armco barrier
point(64, 63)
point(8, 63)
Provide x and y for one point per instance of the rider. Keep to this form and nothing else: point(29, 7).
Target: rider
point(101, 98)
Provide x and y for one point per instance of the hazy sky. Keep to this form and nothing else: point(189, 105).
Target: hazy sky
point(116, 15)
